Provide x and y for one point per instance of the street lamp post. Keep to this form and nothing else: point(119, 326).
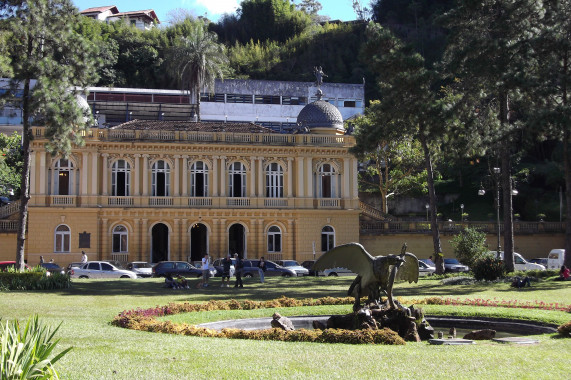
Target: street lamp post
point(462, 213)
point(427, 207)
point(496, 172)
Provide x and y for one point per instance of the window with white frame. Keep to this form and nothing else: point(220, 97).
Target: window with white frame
point(63, 177)
point(326, 176)
point(199, 179)
point(161, 179)
point(274, 181)
point(120, 239)
point(62, 239)
point(327, 238)
point(237, 180)
point(120, 178)
point(274, 239)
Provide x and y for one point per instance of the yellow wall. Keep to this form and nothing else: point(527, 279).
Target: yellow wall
point(8, 244)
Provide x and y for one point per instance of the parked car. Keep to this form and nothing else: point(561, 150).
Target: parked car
point(334, 272)
point(294, 265)
point(453, 265)
point(555, 259)
point(175, 268)
point(217, 264)
point(541, 261)
point(142, 268)
point(73, 265)
point(115, 263)
point(428, 262)
point(424, 269)
point(520, 263)
point(5, 265)
point(52, 268)
point(100, 269)
point(272, 269)
point(5, 201)
point(308, 264)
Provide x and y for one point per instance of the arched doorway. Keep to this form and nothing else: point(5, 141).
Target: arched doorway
point(159, 243)
point(198, 241)
point(236, 240)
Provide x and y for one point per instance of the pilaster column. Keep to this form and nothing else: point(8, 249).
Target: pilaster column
point(222, 176)
point(289, 238)
point(253, 177)
point(136, 175)
point(135, 241)
point(289, 177)
point(32, 189)
point(145, 175)
point(43, 172)
point(300, 193)
point(176, 185)
point(346, 179)
point(84, 172)
point(261, 177)
point(185, 176)
point(94, 171)
point(309, 191)
point(104, 173)
point(185, 241)
point(145, 254)
point(104, 240)
point(177, 240)
point(354, 179)
point(215, 173)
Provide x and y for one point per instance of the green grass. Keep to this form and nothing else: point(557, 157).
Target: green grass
point(102, 351)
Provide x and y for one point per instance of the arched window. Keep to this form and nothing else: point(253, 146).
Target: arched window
point(62, 238)
point(63, 177)
point(161, 179)
point(199, 179)
point(120, 178)
point(327, 238)
point(326, 180)
point(274, 181)
point(120, 239)
point(237, 180)
point(274, 239)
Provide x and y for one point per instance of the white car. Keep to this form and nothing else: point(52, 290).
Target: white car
point(520, 263)
point(141, 268)
point(334, 272)
point(100, 269)
point(424, 269)
point(294, 265)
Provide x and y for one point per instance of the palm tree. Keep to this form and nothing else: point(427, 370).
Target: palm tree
point(197, 60)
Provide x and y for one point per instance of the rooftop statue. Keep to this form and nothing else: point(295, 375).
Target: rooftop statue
point(319, 74)
point(373, 273)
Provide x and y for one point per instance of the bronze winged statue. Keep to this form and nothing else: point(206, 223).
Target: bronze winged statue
point(373, 273)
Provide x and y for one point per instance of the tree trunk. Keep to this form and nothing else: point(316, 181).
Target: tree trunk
point(24, 188)
point(567, 165)
point(506, 183)
point(438, 257)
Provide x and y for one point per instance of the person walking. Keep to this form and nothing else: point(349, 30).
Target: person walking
point(261, 269)
point(238, 271)
point(226, 264)
point(83, 257)
point(41, 259)
point(205, 270)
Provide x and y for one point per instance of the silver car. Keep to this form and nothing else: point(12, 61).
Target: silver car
point(294, 265)
point(100, 269)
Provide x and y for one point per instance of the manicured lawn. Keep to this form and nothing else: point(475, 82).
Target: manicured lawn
point(102, 351)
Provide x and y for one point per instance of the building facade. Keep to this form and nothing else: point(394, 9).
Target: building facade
point(167, 190)
point(143, 19)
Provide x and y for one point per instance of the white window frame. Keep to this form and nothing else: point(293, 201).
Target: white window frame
point(237, 169)
point(156, 169)
point(274, 239)
point(115, 170)
point(62, 239)
point(327, 179)
point(274, 181)
point(327, 233)
point(63, 165)
point(199, 167)
point(121, 233)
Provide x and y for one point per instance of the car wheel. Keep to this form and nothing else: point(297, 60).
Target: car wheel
point(286, 275)
point(332, 274)
point(125, 276)
point(248, 275)
point(83, 277)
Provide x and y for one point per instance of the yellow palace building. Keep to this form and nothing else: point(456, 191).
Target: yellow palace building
point(170, 190)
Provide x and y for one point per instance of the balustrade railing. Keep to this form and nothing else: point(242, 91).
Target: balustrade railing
point(454, 227)
point(161, 201)
point(199, 202)
point(275, 202)
point(238, 202)
point(120, 201)
point(121, 257)
point(63, 200)
point(329, 203)
point(9, 225)
point(9, 209)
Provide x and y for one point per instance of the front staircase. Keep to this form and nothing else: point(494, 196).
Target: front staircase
point(373, 213)
point(9, 218)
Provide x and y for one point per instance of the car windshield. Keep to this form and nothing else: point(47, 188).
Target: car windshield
point(451, 261)
point(142, 265)
point(290, 263)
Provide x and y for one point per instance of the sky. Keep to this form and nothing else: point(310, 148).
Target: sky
point(213, 9)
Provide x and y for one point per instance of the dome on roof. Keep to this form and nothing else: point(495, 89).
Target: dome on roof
point(321, 115)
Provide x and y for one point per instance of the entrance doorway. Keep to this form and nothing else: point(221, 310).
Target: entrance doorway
point(159, 243)
point(236, 240)
point(198, 241)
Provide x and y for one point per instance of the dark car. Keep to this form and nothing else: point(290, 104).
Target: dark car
point(453, 265)
point(308, 264)
point(175, 268)
point(272, 269)
point(52, 268)
point(5, 201)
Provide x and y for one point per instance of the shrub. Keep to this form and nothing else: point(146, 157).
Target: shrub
point(488, 268)
point(25, 353)
point(469, 245)
point(536, 273)
point(33, 280)
point(565, 329)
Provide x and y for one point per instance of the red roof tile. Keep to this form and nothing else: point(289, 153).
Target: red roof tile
point(100, 9)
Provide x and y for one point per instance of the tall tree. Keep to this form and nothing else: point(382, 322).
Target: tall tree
point(196, 60)
point(491, 50)
point(44, 46)
point(409, 104)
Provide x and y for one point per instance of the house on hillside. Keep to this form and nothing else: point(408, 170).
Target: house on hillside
point(143, 20)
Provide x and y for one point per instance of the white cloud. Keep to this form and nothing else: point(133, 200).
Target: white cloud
point(218, 7)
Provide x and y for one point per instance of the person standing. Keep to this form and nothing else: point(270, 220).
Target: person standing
point(83, 257)
point(261, 269)
point(205, 270)
point(41, 259)
point(238, 271)
point(226, 264)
